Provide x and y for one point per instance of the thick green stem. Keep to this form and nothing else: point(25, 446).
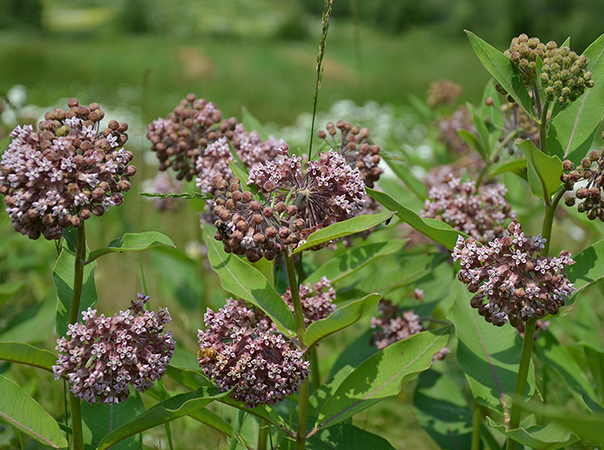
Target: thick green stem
point(543, 128)
point(262, 435)
point(476, 426)
point(525, 361)
point(299, 316)
point(74, 310)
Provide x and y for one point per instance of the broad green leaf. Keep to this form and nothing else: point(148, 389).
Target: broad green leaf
point(100, 420)
point(573, 131)
point(436, 230)
point(557, 357)
point(62, 277)
point(345, 228)
point(133, 242)
point(381, 375)
point(341, 318)
point(34, 324)
point(544, 171)
point(406, 176)
point(517, 166)
point(504, 71)
point(347, 436)
point(588, 426)
point(593, 405)
point(442, 410)
point(162, 412)
point(203, 415)
point(354, 259)
point(587, 270)
point(243, 280)
point(488, 355)
point(27, 354)
point(196, 379)
point(320, 396)
point(21, 411)
point(250, 123)
point(358, 351)
point(549, 436)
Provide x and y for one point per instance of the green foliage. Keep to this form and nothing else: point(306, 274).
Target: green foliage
point(132, 242)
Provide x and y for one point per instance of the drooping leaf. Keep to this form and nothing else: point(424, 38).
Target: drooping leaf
point(21, 411)
point(346, 435)
point(195, 379)
point(488, 355)
point(549, 436)
point(557, 357)
point(250, 123)
point(354, 259)
point(243, 280)
point(341, 318)
point(439, 231)
point(442, 410)
point(62, 277)
point(165, 411)
point(544, 171)
point(503, 70)
point(133, 242)
point(587, 270)
point(345, 228)
point(406, 176)
point(573, 131)
point(381, 375)
point(27, 354)
point(101, 420)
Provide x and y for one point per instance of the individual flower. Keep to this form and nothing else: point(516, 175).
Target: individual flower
point(59, 176)
point(354, 145)
point(443, 92)
point(478, 213)
point(105, 354)
point(448, 130)
point(180, 139)
point(589, 195)
point(509, 278)
point(259, 366)
point(394, 325)
point(316, 304)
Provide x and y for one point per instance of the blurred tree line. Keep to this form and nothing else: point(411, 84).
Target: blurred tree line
point(495, 21)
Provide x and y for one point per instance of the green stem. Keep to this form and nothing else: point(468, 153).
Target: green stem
point(476, 426)
point(74, 310)
point(299, 316)
point(262, 435)
point(525, 362)
point(543, 128)
point(163, 395)
point(314, 369)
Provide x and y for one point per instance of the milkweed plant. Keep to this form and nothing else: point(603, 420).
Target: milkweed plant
point(454, 270)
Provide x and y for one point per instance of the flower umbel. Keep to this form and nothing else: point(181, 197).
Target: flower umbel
point(59, 176)
point(316, 304)
point(105, 354)
point(261, 366)
point(509, 278)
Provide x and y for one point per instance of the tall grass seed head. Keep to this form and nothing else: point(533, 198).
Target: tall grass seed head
point(64, 173)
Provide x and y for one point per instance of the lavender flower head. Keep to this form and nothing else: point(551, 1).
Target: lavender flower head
point(260, 366)
point(480, 214)
point(105, 354)
point(316, 304)
point(59, 176)
point(509, 278)
point(394, 325)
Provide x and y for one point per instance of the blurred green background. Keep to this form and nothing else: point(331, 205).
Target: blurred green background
point(138, 58)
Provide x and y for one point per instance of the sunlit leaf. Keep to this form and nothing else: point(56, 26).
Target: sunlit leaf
point(165, 411)
point(549, 436)
point(347, 436)
point(345, 228)
point(587, 270)
point(21, 411)
point(133, 242)
point(341, 318)
point(381, 375)
point(243, 280)
point(27, 354)
point(543, 171)
point(488, 355)
point(439, 231)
